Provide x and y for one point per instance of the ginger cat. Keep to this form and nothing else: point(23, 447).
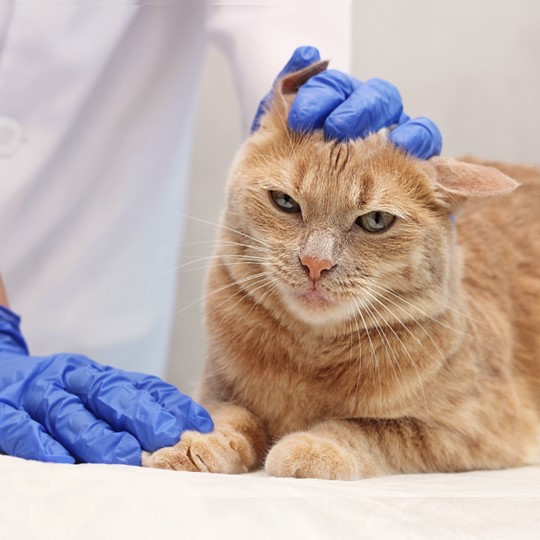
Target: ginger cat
point(356, 327)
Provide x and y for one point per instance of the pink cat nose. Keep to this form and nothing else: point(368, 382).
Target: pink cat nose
point(316, 266)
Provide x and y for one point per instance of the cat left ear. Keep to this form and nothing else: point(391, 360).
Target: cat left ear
point(285, 90)
point(289, 84)
point(463, 180)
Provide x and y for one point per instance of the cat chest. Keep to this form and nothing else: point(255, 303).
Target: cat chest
point(291, 394)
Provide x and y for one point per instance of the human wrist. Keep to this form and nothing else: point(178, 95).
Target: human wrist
point(3, 295)
point(11, 339)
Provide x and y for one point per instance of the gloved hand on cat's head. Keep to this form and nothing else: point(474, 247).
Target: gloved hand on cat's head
point(346, 108)
point(65, 408)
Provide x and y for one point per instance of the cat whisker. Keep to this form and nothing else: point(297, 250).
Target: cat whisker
point(241, 244)
point(208, 266)
point(386, 289)
point(246, 258)
point(229, 256)
point(421, 326)
point(242, 292)
point(388, 348)
point(461, 313)
point(373, 353)
point(233, 284)
point(357, 387)
point(350, 318)
point(375, 360)
point(219, 225)
point(260, 285)
point(402, 344)
point(218, 242)
point(273, 287)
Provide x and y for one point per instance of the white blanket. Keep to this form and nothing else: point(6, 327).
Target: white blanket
point(42, 501)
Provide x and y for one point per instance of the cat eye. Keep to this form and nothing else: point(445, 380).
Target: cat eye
point(375, 221)
point(284, 202)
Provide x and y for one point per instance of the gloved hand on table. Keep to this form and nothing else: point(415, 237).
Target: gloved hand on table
point(65, 408)
point(346, 108)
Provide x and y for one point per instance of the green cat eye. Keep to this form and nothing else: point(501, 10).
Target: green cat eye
point(375, 221)
point(284, 202)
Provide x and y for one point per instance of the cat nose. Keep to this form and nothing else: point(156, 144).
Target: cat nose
point(316, 266)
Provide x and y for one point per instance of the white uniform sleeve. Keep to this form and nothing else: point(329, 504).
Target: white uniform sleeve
point(259, 39)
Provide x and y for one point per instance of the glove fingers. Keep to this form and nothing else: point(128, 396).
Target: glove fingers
point(23, 437)
point(192, 415)
point(302, 57)
point(419, 137)
point(112, 396)
point(197, 418)
point(403, 118)
point(372, 106)
point(88, 438)
point(318, 97)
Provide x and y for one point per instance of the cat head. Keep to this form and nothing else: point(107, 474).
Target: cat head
point(325, 229)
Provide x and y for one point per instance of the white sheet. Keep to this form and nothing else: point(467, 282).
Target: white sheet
point(39, 500)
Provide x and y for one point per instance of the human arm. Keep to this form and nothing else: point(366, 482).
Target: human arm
point(3, 295)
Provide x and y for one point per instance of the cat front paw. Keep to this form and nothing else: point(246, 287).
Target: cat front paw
point(305, 455)
point(203, 452)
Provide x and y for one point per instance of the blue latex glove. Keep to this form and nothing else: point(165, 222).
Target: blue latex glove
point(346, 108)
point(65, 408)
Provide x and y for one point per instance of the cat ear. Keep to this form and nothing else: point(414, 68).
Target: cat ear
point(289, 84)
point(285, 90)
point(461, 180)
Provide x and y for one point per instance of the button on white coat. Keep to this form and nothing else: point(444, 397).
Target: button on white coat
point(11, 136)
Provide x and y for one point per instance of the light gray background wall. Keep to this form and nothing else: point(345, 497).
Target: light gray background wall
point(473, 66)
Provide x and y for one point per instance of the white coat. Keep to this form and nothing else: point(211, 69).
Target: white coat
point(97, 101)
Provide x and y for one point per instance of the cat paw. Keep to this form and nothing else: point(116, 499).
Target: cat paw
point(304, 455)
point(203, 452)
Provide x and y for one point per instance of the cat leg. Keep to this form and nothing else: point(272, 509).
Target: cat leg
point(352, 449)
point(329, 450)
point(237, 445)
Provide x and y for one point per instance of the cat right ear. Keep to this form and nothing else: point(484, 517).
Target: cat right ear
point(458, 180)
point(285, 91)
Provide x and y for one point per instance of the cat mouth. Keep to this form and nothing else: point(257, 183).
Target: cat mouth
point(314, 298)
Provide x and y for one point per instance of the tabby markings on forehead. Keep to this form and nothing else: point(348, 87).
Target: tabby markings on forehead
point(339, 152)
